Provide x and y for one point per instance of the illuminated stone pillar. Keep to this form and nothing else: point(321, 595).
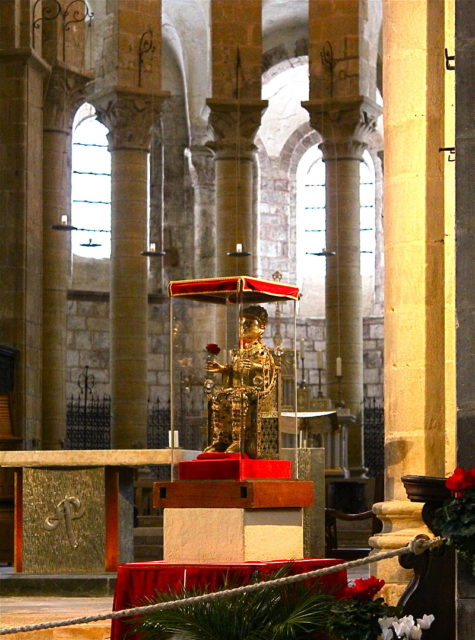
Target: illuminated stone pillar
point(344, 125)
point(65, 92)
point(417, 381)
point(129, 116)
point(235, 124)
point(236, 109)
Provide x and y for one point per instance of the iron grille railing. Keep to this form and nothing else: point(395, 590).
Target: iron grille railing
point(374, 438)
point(88, 423)
point(158, 425)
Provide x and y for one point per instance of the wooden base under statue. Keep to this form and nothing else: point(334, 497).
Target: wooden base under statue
point(232, 521)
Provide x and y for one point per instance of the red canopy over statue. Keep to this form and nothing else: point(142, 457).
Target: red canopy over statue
point(233, 289)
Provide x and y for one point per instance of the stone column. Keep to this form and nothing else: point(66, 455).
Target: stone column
point(344, 124)
point(236, 108)
point(22, 76)
point(129, 116)
point(418, 285)
point(465, 232)
point(64, 94)
point(203, 175)
point(235, 125)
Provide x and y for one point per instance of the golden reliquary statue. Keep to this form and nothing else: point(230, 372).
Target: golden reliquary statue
point(243, 409)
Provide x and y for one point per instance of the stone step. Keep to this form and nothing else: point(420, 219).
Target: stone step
point(148, 552)
point(150, 521)
point(148, 531)
point(148, 540)
point(355, 534)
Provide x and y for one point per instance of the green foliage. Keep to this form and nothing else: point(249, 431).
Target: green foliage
point(358, 619)
point(455, 520)
point(288, 612)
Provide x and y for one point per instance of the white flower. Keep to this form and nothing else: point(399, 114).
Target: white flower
point(386, 622)
point(425, 621)
point(403, 626)
point(416, 633)
point(387, 634)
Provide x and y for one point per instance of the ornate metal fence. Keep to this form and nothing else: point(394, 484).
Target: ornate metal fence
point(374, 438)
point(88, 417)
point(158, 425)
point(88, 423)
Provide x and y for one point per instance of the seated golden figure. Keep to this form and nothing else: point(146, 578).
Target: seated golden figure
point(247, 395)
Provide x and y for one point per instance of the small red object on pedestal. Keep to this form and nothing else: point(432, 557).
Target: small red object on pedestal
point(232, 466)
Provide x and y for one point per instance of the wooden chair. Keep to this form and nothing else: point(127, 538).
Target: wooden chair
point(332, 550)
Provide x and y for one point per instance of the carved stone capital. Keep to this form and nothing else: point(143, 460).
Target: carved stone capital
point(65, 91)
point(235, 124)
point(202, 160)
point(345, 125)
point(129, 116)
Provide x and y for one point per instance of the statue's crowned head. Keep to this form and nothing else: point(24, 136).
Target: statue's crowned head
point(257, 312)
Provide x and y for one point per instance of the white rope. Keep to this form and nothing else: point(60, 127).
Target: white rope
point(417, 545)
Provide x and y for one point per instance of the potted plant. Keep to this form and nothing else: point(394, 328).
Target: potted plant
point(455, 520)
point(294, 611)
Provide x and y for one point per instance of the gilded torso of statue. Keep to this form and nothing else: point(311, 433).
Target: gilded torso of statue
point(247, 393)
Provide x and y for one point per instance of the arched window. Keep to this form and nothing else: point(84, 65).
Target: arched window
point(311, 227)
point(310, 213)
point(367, 216)
point(90, 186)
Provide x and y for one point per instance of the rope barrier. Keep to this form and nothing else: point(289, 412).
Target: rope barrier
point(416, 546)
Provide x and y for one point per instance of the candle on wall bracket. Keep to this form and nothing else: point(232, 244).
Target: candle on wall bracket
point(239, 252)
point(303, 383)
point(152, 252)
point(320, 368)
point(64, 224)
point(323, 252)
point(339, 375)
point(90, 244)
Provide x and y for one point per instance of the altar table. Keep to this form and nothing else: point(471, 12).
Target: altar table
point(139, 580)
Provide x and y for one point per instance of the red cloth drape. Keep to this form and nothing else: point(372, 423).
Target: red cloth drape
point(139, 580)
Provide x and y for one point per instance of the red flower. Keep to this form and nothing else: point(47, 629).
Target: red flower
point(363, 589)
point(213, 348)
point(461, 479)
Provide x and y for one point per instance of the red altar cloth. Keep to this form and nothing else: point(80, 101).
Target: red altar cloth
point(232, 466)
point(137, 580)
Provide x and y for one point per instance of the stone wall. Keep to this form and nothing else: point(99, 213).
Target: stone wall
point(88, 342)
point(88, 345)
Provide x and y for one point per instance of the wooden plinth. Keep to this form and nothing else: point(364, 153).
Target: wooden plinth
point(247, 494)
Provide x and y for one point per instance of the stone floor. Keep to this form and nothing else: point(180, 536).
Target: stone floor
point(31, 610)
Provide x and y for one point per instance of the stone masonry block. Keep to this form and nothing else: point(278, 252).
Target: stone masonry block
point(377, 331)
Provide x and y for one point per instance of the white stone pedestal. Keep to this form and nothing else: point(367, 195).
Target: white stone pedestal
point(202, 535)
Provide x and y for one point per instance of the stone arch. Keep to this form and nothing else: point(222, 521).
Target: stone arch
point(277, 248)
point(284, 31)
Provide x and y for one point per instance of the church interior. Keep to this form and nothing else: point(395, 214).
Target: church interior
point(232, 233)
